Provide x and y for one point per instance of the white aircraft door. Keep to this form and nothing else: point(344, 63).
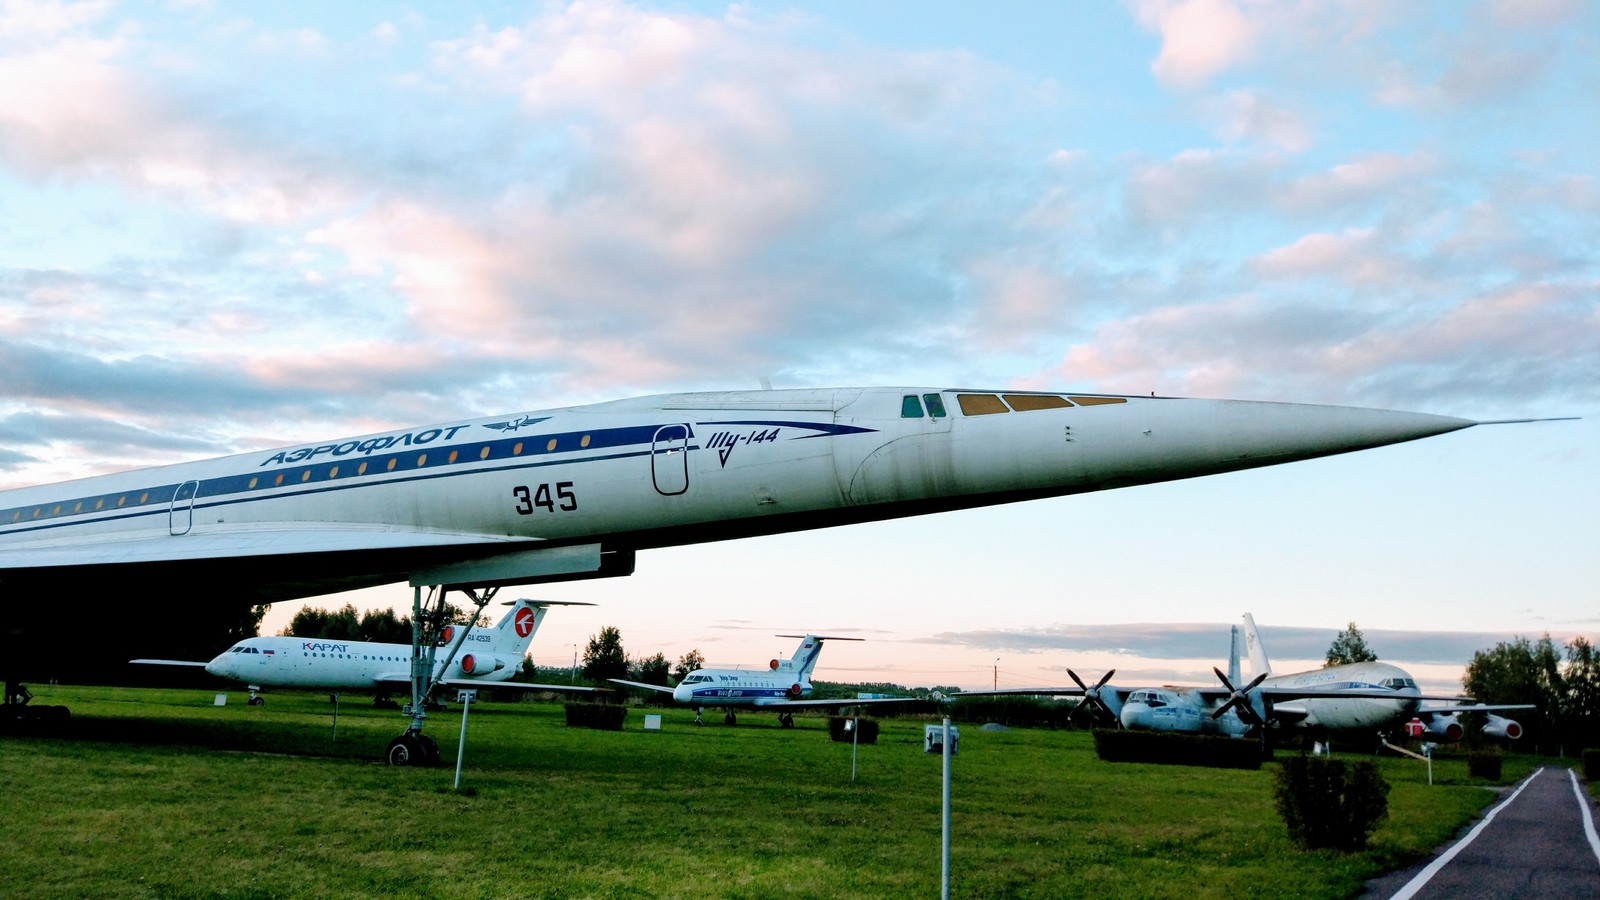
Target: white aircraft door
point(669, 459)
point(180, 517)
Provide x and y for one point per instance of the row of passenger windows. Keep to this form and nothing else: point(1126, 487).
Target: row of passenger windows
point(389, 464)
point(353, 656)
point(912, 406)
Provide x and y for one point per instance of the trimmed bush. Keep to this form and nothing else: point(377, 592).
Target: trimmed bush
point(1177, 749)
point(1484, 764)
point(1329, 805)
point(1013, 712)
point(599, 716)
point(868, 730)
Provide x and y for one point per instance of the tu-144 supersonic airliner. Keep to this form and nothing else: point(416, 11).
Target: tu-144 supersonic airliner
point(575, 492)
point(783, 686)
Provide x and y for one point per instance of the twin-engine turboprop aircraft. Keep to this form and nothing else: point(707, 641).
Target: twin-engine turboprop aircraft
point(784, 685)
point(575, 492)
point(1369, 698)
point(480, 658)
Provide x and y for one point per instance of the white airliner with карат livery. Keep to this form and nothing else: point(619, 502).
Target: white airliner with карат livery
point(484, 658)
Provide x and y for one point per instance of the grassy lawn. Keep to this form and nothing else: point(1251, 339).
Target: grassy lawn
point(161, 794)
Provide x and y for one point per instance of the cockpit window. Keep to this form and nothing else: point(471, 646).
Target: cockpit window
point(935, 405)
point(910, 407)
point(1026, 402)
point(980, 404)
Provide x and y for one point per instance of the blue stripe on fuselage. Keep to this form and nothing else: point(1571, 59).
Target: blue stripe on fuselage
point(350, 471)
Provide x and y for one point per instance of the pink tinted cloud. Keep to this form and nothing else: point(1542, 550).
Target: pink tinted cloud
point(1199, 38)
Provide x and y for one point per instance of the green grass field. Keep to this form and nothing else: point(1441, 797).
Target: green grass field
point(157, 793)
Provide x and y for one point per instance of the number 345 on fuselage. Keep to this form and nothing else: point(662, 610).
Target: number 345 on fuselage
point(574, 492)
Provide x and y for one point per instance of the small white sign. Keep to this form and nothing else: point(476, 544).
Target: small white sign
point(652, 723)
point(221, 700)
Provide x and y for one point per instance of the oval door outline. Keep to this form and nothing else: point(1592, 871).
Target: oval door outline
point(669, 460)
point(180, 516)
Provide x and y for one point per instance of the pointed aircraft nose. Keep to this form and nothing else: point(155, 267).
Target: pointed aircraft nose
point(1271, 432)
point(1170, 439)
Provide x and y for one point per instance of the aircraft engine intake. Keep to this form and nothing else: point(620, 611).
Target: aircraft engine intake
point(1502, 728)
point(481, 664)
point(1445, 728)
point(795, 690)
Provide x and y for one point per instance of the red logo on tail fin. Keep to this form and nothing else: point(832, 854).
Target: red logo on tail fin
point(523, 622)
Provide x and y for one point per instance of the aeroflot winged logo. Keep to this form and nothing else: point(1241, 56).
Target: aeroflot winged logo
point(514, 424)
point(523, 622)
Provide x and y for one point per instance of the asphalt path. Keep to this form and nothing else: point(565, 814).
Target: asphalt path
point(1538, 841)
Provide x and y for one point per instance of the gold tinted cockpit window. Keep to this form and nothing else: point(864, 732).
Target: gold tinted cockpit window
point(1026, 402)
point(980, 404)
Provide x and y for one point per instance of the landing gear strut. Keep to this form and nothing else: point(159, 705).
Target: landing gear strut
point(413, 748)
point(255, 696)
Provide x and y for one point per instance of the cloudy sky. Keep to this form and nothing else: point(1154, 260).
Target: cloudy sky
point(235, 226)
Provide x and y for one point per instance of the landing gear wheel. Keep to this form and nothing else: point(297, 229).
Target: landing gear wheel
point(786, 720)
point(409, 750)
point(257, 701)
point(430, 750)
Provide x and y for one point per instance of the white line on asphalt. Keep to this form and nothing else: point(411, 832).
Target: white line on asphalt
point(1423, 877)
point(1588, 817)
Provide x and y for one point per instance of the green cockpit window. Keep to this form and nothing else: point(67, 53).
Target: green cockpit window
point(910, 407)
point(935, 405)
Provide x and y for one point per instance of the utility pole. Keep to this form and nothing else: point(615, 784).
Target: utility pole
point(997, 673)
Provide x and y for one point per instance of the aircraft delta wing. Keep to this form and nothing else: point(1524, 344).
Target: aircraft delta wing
point(575, 492)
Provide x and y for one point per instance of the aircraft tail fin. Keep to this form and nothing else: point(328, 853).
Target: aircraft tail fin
point(1258, 654)
point(516, 628)
point(805, 656)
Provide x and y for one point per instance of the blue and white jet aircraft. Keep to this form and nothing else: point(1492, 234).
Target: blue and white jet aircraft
point(784, 685)
point(473, 505)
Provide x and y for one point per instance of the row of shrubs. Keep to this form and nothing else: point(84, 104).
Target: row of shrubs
point(1169, 748)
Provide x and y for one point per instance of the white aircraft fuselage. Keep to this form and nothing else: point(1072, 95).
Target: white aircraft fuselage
point(1352, 714)
point(573, 492)
point(1186, 711)
point(739, 687)
point(351, 665)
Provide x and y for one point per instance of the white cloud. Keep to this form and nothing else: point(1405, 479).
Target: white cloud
point(1199, 38)
point(1249, 115)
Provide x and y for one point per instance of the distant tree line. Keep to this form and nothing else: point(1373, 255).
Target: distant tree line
point(349, 624)
point(1563, 685)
